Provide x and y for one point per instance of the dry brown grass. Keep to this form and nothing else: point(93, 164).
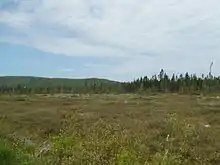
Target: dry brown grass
point(110, 128)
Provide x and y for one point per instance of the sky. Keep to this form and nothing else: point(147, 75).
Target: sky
point(114, 39)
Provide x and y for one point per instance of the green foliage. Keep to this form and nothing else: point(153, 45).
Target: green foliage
point(7, 156)
point(125, 157)
point(13, 154)
point(62, 146)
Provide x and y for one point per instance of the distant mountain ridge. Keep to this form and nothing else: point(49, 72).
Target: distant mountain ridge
point(13, 81)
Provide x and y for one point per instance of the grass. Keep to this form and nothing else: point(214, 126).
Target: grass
point(13, 153)
point(110, 129)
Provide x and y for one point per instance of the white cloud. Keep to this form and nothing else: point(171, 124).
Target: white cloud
point(145, 35)
point(17, 21)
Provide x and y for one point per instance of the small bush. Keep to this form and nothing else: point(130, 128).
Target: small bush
point(12, 154)
point(125, 157)
point(7, 156)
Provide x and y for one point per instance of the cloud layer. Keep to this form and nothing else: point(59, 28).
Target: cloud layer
point(143, 35)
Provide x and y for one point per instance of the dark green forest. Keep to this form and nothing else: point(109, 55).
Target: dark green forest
point(183, 83)
point(39, 85)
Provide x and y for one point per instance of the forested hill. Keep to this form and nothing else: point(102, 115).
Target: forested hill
point(183, 83)
point(38, 82)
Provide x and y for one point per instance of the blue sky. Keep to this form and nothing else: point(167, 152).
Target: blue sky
point(115, 39)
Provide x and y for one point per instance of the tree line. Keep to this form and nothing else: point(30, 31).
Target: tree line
point(183, 83)
point(95, 87)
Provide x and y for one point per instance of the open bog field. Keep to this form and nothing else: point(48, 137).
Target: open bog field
point(165, 129)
